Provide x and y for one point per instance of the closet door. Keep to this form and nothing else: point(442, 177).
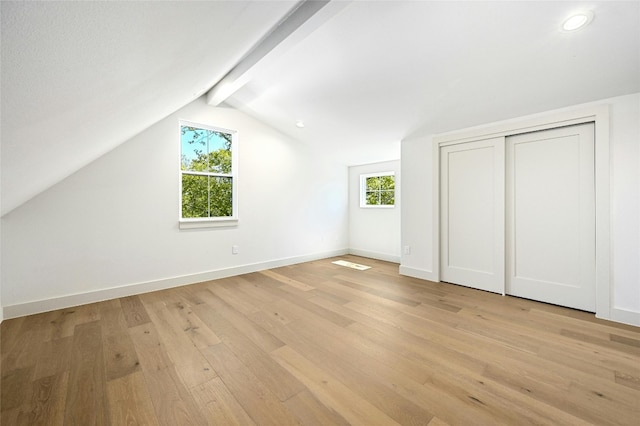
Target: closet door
point(551, 216)
point(472, 214)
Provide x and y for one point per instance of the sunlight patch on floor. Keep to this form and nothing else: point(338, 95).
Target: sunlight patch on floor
point(351, 265)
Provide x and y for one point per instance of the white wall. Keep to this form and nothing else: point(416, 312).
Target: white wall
point(417, 207)
point(418, 193)
point(374, 232)
point(112, 228)
point(1, 305)
point(625, 202)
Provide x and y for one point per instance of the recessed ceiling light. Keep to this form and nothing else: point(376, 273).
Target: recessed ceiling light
point(300, 124)
point(577, 21)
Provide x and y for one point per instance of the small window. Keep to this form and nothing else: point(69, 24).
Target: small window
point(207, 173)
point(378, 189)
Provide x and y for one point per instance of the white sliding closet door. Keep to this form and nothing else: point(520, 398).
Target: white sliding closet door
point(550, 193)
point(472, 214)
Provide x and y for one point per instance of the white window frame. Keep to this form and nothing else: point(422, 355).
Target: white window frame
point(210, 222)
point(363, 190)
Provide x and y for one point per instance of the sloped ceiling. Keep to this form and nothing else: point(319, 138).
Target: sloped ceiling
point(79, 78)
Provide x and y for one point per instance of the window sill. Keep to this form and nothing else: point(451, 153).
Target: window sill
point(207, 223)
point(378, 207)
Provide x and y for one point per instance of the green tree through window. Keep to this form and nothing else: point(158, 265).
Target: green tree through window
point(377, 190)
point(207, 172)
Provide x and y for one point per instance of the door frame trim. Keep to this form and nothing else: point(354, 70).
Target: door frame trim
point(599, 115)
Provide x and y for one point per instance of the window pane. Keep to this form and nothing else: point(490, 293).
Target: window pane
point(387, 198)
point(387, 182)
point(373, 183)
point(195, 196)
point(220, 152)
point(193, 148)
point(372, 198)
point(206, 194)
point(221, 196)
point(378, 189)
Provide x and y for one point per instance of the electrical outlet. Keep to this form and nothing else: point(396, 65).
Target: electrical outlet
point(407, 250)
point(235, 249)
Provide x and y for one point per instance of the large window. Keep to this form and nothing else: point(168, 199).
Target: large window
point(207, 173)
point(378, 189)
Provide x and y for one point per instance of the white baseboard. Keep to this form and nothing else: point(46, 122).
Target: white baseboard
point(375, 255)
point(625, 316)
point(423, 274)
point(45, 305)
point(67, 301)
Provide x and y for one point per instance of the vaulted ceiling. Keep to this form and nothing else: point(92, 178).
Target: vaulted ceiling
point(80, 78)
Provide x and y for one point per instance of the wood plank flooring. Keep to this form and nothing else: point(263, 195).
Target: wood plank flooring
point(319, 344)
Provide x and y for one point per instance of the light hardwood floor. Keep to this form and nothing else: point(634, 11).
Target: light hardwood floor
point(319, 344)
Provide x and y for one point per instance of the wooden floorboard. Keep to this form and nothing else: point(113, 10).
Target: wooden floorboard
point(319, 344)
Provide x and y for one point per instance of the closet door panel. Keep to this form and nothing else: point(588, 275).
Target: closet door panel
point(472, 214)
point(551, 216)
